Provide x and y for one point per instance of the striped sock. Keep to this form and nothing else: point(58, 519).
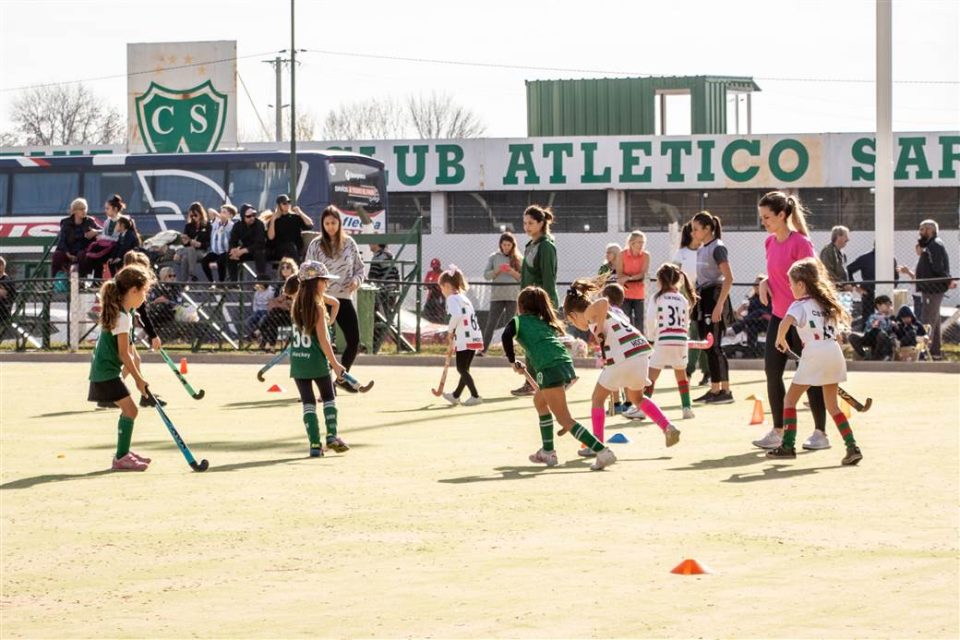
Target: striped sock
point(845, 430)
point(789, 426)
point(330, 417)
point(597, 419)
point(311, 423)
point(124, 435)
point(546, 431)
point(653, 412)
point(586, 437)
point(684, 387)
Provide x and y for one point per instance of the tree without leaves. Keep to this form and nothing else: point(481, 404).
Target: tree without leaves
point(437, 116)
point(65, 114)
point(366, 120)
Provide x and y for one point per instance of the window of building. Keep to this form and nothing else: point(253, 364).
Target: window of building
point(403, 209)
point(100, 186)
point(913, 205)
point(166, 191)
point(497, 211)
point(43, 192)
point(655, 209)
point(258, 183)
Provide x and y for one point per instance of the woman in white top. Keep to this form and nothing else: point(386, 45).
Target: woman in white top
point(340, 255)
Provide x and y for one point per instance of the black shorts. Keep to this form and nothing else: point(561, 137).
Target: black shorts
point(107, 391)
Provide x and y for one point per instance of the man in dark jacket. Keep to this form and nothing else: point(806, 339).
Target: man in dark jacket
point(285, 227)
point(934, 262)
point(866, 266)
point(248, 241)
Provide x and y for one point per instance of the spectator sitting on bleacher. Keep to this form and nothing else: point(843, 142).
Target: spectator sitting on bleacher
point(248, 241)
point(194, 241)
point(879, 332)
point(165, 297)
point(8, 292)
point(754, 316)
point(262, 295)
point(907, 327)
point(77, 231)
point(220, 232)
point(128, 240)
point(278, 307)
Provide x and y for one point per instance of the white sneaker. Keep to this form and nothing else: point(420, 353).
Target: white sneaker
point(817, 440)
point(604, 459)
point(772, 440)
point(688, 413)
point(449, 397)
point(472, 401)
point(633, 413)
point(671, 435)
point(548, 458)
point(586, 452)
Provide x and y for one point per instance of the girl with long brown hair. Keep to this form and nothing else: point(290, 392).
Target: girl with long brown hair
point(714, 281)
point(115, 356)
point(816, 314)
point(503, 270)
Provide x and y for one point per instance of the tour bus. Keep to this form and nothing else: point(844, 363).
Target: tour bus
point(35, 192)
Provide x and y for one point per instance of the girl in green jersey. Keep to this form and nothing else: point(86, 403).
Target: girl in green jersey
point(311, 355)
point(115, 356)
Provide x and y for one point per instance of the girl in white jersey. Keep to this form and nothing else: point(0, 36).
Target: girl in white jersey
point(464, 335)
point(815, 312)
point(625, 354)
point(667, 320)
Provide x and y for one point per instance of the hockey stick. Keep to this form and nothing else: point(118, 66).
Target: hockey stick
point(196, 395)
point(853, 402)
point(277, 359)
point(203, 465)
point(443, 377)
point(353, 383)
point(701, 344)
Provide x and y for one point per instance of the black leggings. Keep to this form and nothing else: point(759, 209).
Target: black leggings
point(774, 364)
point(716, 359)
point(464, 358)
point(350, 325)
point(305, 387)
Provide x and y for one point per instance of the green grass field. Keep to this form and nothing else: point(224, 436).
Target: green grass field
point(436, 525)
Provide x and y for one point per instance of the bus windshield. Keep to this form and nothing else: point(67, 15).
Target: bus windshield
point(359, 191)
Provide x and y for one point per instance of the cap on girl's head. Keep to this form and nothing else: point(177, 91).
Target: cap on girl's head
point(435, 263)
point(311, 269)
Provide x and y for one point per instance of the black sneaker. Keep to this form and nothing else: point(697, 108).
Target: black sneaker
point(148, 402)
point(782, 453)
point(525, 390)
point(316, 451)
point(705, 397)
point(853, 456)
point(724, 397)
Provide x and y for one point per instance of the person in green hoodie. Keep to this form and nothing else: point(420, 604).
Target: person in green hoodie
point(539, 268)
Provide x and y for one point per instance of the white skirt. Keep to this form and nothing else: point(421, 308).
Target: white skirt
point(673, 356)
point(629, 374)
point(821, 363)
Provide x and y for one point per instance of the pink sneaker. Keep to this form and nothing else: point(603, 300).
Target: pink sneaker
point(140, 458)
point(128, 463)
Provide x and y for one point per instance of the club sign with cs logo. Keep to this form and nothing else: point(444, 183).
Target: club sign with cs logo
point(181, 121)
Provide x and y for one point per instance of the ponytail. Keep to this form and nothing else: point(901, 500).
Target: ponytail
point(109, 305)
point(671, 276)
point(579, 294)
point(792, 209)
point(707, 219)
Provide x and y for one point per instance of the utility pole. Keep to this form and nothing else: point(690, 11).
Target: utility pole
point(293, 103)
point(278, 102)
point(883, 169)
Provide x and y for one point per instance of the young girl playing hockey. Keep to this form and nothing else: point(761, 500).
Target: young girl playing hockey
point(536, 328)
point(667, 321)
point(625, 352)
point(115, 356)
point(311, 355)
point(463, 333)
point(816, 313)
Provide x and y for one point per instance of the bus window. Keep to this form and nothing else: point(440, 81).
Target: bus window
point(4, 181)
point(175, 189)
point(44, 192)
point(98, 187)
point(354, 185)
point(258, 183)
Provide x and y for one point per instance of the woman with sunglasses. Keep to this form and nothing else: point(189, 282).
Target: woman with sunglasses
point(195, 240)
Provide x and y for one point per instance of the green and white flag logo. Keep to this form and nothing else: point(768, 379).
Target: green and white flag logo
point(174, 121)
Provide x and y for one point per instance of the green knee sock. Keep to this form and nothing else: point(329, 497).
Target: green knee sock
point(330, 418)
point(586, 437)
point(789, 427)
point(546, 431)
point(311, 423)
point(124, 435)
point(841, 421)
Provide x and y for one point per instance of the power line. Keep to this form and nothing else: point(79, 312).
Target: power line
point(253, 104)
point(621, 72)
point(136, 73)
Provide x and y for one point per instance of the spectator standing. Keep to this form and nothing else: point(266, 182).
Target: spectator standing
point(434, 309)
point(866, 266)
point(284, 228)
point(610, 264)
point(632, 265)
point(248, 241)
point(832, 256)
point(220, 232)
point(503, 269)
point(934, 262)
point(383, 271)
point(195, 240)
point(77, 231)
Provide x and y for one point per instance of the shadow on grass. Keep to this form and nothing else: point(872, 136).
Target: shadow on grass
point(775, 472)
point(60, 414)
point(737, 460)
point(260, 404)
point(440, 404)
point(291, 443)
point(239, 466)
point(532, 471)
point(26, 483)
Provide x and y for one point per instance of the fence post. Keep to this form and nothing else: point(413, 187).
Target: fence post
point(73, 312)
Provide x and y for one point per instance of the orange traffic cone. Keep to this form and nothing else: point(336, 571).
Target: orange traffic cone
point(690, 567)
point(183, 366)
point(275, 389)
point(757, 417)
